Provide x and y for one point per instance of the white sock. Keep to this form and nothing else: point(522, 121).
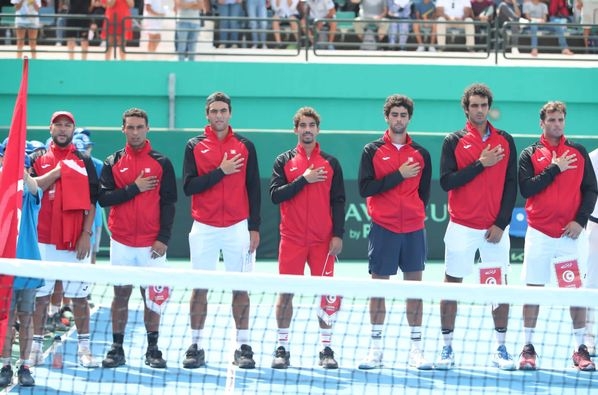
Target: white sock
point(83, 340)
point(242, 337)
point(325, 337)
point(376, 337)
point(416, 337)
point(501, 337)
point(196, 337)
point(529, 334)
point(579, 334)
point(283, 338)
point(53, 309)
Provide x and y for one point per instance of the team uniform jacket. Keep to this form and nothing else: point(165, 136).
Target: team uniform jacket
point(395, 203)
point(478, 197)
point(310, 213)
point(43, 162)
point(138, 219)
point(217, 199)
point(553, 198)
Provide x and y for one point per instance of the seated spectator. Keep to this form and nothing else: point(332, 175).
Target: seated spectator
point(509, 11)
point(27, 23)
point(321, 9)
point(482, 10)
point(537, 12)
point(371, 12)
point(425, 10)
point(285, 11)
point(399, 10)
point(559, 13)
point(96, 10)
point(455, 10)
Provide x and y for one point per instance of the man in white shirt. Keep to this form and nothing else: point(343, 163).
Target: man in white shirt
point(455, 10)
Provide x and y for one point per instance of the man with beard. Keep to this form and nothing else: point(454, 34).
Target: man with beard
point(394, 177)
point(221, 174)
point(308, 185)
point(557, 179)
point(478, 169)
point(70, 184)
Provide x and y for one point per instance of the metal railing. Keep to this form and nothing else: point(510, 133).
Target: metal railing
point(325, 38)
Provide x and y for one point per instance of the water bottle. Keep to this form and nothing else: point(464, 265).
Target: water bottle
point(57, 351)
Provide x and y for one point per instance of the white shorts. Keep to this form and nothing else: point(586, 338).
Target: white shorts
point(539, 251)
point(591, 279)
point(206, 242)
point(72, 289)
point(461, 244)
point(124, 255)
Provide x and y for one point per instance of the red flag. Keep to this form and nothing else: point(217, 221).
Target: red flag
point(11, 199)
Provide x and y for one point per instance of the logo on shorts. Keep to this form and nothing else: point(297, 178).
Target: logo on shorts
point(45, 166)
point(467, 146)
point(124, 169)
point(386, 158)
point(203, 151)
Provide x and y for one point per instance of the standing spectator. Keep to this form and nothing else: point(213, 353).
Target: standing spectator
point(78, 27)
point(117, 30)
point(592, 269)
point(221, 174)
point(558, 181)
point(187, 27)
point(152, 23)
point(537, 12)
point(308, 185)
point(140, 221)
point(394, 177)
point(257, 9)
point(425, 10)
point(455, 10)
point(399, 10)
point(27, 24)
point(70, 184)
point(230, 11)
point(478, 169)
point(285, 11)
point(371, 12)
point(24, 288)
point(321, 9)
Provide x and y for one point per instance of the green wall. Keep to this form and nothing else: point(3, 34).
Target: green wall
point(265, 97)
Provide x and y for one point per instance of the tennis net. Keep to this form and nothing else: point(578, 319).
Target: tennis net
point(474, 344)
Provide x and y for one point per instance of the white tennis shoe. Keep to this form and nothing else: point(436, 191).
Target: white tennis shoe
point(418, 361)
point(372, 361)
point(86, 359)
